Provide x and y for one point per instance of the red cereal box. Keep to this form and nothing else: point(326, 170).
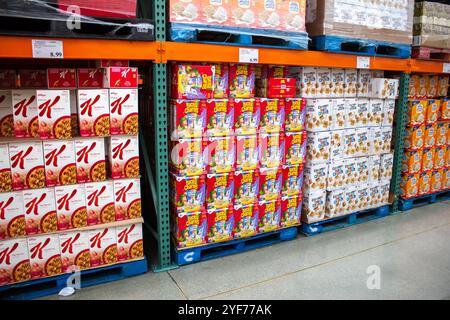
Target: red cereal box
point(269, 213)
point(270, 183)
point(129, 242)
point(219, 191)
point(292, 181)
point(45, 257)
point(90, 78)
point(40, 211)
point(103, 246)
point(439, 157)
point(281, 82)
point(246, 187)
point(25, 113)
point(59, 157)
point(61, 78)
point(295, 110)
point(220, 225)
point(90, 159)
point(424, 183)
point(242, 81)
point(127, 199)
point(93, 112)
point(6, 114)
point(441, 134)
point(221, 75)
point(219, 154)
point(271, 150)
point(8, 79)
point(74, 251)
point(430, 135)
point(247, 153)
point(74, 114)
point(54, 114)
point(5, 169)
point(71, 206)
point(27, 165)
point(246, 116)
point(219, 117)
point(120, 77)
point(272, 115)
point(188, 119)
point(281, 88)
point(186, 157)
point(100, 202)
point(190, 228)
point(436, 180)
point(124, 157)
point(14, 261)
point(188, 193)
point(246, 221)
point(193, 82)
point(291, 211)
point(30, 79)
point(112, 63)
point(294, 148)
point(12, 218)
point(124, 111)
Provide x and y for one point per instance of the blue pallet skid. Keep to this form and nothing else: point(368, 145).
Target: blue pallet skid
point(361, 46)
point(408, 204)
point(180, 32)
point(221, 249)
point(52, 285)
point(344, 221)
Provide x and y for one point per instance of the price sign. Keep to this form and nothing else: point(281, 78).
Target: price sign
point(446, 68)
point(248, 55)
point(362, 62)
point(48, 49)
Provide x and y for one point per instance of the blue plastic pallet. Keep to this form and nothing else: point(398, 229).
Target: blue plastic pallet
point(361, 46)
point(52, 285)
point(344, 221)
point(408, 204)
point(208, 34)
point(221, 249)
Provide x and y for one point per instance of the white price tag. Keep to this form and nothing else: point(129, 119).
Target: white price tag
point(248, 55)
point(362, 62)
point(446, 68)
point(49, 49)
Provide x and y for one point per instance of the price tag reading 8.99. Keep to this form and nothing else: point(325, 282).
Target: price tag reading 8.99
point(248, 55)
point(48, 49)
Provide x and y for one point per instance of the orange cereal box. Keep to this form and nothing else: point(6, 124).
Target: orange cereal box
point(424, 183)
point(54, 114)
point(40, 211)
point(422, 86)
point(127, 199)
point(432, 86)
point(27, 165)
point(74, 251)
point(433, 108)
point(436, 180)
point(444, 113)
point(45, 257)
point(59, 157)
point(430, 135)
point(416, 112)
point(412, 161)
point(12, 218)
point(6, 114)
point(90, 159)
point(100, 202)
point(446, 179)
point(442, 86)
point(428, 159)
point(410, 185)
point(14, 261)
point(129, 242)
point(293, 15)
point(185, 11)
point(441, 134)
point(447, 156)
point(414, 138)
point(244, 13)
point(25, 113)
point(439, 157)
point(413, 86)
point(103, 246)
point(5, 169)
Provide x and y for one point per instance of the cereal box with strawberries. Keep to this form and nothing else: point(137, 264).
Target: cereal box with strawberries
point(127, 199)
point(90, 159)
point(45, 257)
point(100, 202)
point(6, 114)
point(221, 74)
point(120, 77)
point(246, 221)
point(219, 191)
point(187, 193)
point(124, 157)
point(130, 244)
point(247, 115)
point(14, 261)
point(59, 158)
point(362, 167)
point(428, 157)
point(436, 180)
point(90, 77)
point(242, 81)
point(61, 78)
point(12, 217)
point(337, 83)
point(335, 204)
point(190, 228)
point(350, 82)
point(414, 138)
point(338, 114)
point(388, 112)
point(386, 136)
point(30, 79)
point(269, 215)
point(219, 154)
point(432, 112)
point(324, 82)
point(186, 157)
point(272, 115)
point(219, 117)
point(375, 113)
point(441, 134)
point(93, 112)
point(25, 113)
point(336, 175)
point(27, 165)
point(123, 105)
point(295, 110)
point(363, 114)
point(309, 82)
point(247, 153)
point(337, 149)
point(270, 183)
point(364, 77)
point(271, 150)
point(318, 146)
point(442, 85)
point(387, 164)
point(8, 79)
point(193, 82)
point(103, 246)
point(71, 206)
point(318, 114)
point(294, 148)
point(430, 135)
point(292, 181)
point(220, 225)
point(417, 111)
point(424, 183)
point(40, 211)
point(412, 161)
point(246, 187)
point(291, 210)
point(74, 251)
point(351, 112)
point(439, 157)
point(5, 169)
point(54, 114)
point(314, 206)
point(315, 176)
point(374, 163)
point(188, 119)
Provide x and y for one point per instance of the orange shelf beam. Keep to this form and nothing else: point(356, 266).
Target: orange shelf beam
point(425, 66)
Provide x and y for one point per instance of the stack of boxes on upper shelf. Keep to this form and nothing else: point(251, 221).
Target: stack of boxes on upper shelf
point(426, 160)
point(64, 133)
point(349, 122)
point(236, 160)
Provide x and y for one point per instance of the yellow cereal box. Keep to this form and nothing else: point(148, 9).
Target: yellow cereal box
point(412, 161)
point(425, 183)
point(428, 159)
point(410, 185)
point(430, 135)
point(414, 138)
point(432, 111)
point(416, 112)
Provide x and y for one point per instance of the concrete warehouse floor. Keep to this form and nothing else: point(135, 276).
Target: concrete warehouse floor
point(411, 249)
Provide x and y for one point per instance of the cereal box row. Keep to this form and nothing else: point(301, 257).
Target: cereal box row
point(427, 111)
point(49, 255)
point(423, 183)
point(416, 161)
point(427, 136)
point(428, 86)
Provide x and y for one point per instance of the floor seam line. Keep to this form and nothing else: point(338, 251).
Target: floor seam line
point(179, 288)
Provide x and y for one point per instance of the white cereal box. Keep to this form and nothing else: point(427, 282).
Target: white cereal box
point(336, 204)
point(352, 199)
point(350, 82)
point(54, 114)
point(6, 114)
point(336, 175)
point(103, 246)
point(40, 211)
point(93, 112)
point(362, 167)
point(14, 261)
point(124, 111)
point(27, 165)
point(90, 159)
point(100, 202)
point(364, 197)
point(74, 251)
point(364, 77)
point(362, 113)
point(25, 113)
point(318, 114)
point(377, 141)
point(383, 88)
point(12, 217)
point(124, 157)
point(127, 199)
point(59, 160)
point(129, 242)
point(318, 149)
point(350, 143)
point(314, 206)
point(363, 145)
point(374, 168)
point(308, 82)
point(385, 188)
point(338, 114)
point(375, 195)
point(351, 113)
point(337, 145)
point(324, 82)
point(71, 206)
point(376, 110)
point(351, 173)
point(337, 82)
point(386, 136)
point(5, 169)
point(386, 165)
point(388, 112)
point(315, 176)
point(45, 257)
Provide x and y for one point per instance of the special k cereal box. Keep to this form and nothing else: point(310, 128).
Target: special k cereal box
point(100, 202)
point(187, 193)
point(242, 81)
point(186, 11)
point(127, 199)
point(6, 114)
point(351, 113)
point(219, 191)
point(417, 111)
point(269, 215)
point(294, 148)
point(374, 163)
point(220, 225)
point(219, 154)
point(308, 82)
point(271, 150)
point(412, 161)
point(432, 114)
point(120, 77)
point(221, 80)
point(103, 246)
point(270, 182)
point(430, 135)
point(186, 157)
point(337, 82)
point(14, 261)
point(428, 157)
point(363, 115)
point(324, 82)
point(386, 136)
point(295, 110)
point(436, 180)
point(71, 206)
point(315, 176)
point(123, 106)
point(54, 114)
point(335, 204)
point(12, 218)
point(441, 134)
point(40, 211)
point(350, 82)
point(247, 153)
point(318, 114)
point(124, 157)
point(246, 221)
point(59, 157)
point(442, 86)
point(314, 206)
point(364, 77)
point(93, 112)
point(424, 183)
point(272, 115)
point(30, 79)
point(27, 165)
point(219, 117)
point(292, 181)
point(90, 159)
point(336, 175)
point(338, 114)
point(61, 78)
point(246, 187)
point(74, 251)
point(375, 113)
point(189, 229)
point(387, 164)
point(247, 115)
point(318, 147)
point(90, 78)
point(5, 169)
point(25, 113)
point(8, 79)
point(74, 114)
point(414, 138)
point(45, 257)
point(439, 157)
point(388, 112)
